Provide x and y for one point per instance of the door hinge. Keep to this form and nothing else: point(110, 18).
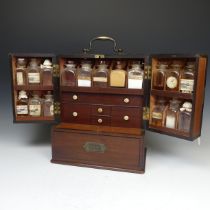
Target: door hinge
point(146, 113)
point(147, 72)
point(57, 108)
point(56, 70)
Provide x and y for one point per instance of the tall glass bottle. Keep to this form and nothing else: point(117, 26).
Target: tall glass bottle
point(84, 75)
point(35, 105)
point(21, 71)
point(34, 76)
point(48, 106)
point(68, 77)
point(47, 71)
point(135, 76)
point(22, 104)
point(159, 76)
point(118, 75)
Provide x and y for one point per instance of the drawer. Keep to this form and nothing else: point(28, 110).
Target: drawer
point(96, 149)
point(76, 97)
point(75, 113)
point(126, 117)
point(101, 110)
point(101, 120)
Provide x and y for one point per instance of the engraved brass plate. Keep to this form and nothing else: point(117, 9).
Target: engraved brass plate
point(99, 56)
point(94, 147)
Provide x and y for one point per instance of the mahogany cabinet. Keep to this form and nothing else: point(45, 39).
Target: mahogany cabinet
point(104, 127)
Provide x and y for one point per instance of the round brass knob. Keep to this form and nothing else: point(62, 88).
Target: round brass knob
point(126, 100)
point(75, 97)
point(75, 114)
point(100, 110)
point(100, 120)
point(126, 118)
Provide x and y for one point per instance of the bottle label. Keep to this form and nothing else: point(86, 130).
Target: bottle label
point(35, 110)
point(34, 78)
point(20, 78)
point(157, 115)
point(135, 83)
point(186, 85)
point(52, 110)
point(170, 122)
point(99, 79)
point(22, 109)
point(171, 82)
point(84, 83)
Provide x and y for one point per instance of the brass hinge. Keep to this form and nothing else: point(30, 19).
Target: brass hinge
point(56, 70)
point(146, 113)
point(57, 108)
point(147, 72)
point(99, 56)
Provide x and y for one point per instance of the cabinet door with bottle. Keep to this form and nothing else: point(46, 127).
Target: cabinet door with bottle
point(34, 85)
point(177, 95)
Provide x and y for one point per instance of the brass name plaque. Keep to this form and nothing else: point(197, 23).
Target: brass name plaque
point(94, 147)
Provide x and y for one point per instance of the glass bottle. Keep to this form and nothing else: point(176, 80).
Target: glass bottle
point(22, 104)
point(48, 105)
point(185, 117)
point(158, 113)
point(117, 76)
point(187, 79)
point(68, 77)
point(172, 114)
point(172, 77)
point(35, 106)
point(160, 76)
point(34, 77)
point(21, 71)
point(47, 70)
point(84, 75)
point(135, 76)
point(100, 76)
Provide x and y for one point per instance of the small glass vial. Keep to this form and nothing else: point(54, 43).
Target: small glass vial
point(135, 76)
point(35, 106)
point(100, 76)
point(48, 105)
point(68, 77)
point(158, 113)
point(187, 79)
point(47, 70)
point(117, 76)
point(159, 76)
point(21, 71)
point(172, 114)
point(84, 75)
point(185, 117)
point(22, 104)
point(172, 77)
point(34, 77)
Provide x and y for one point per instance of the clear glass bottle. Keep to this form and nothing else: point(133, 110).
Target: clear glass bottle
point(68, 77)
point(100, 76)
point(159, 76)
point(118, 75)
point(22, 104)
point(35, 106)
point(21, 71)
point(84, 75)
point(172, 77)
point(48, 106)
point(135, 76)
point(47, 71)
point(185, 115)
point(34, 77)
point(187, 78)
point(158, 113)
point(172, 113)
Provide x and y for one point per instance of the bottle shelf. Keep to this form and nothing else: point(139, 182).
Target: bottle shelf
point(34, 119)
point(33, 87)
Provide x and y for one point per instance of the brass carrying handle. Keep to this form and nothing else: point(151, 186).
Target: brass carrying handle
point(103, 38)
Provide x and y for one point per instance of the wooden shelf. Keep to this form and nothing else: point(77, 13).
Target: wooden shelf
point(33, 87)
point(34, 119)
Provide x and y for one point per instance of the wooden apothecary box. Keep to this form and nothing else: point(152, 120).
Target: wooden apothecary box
point(104, 127)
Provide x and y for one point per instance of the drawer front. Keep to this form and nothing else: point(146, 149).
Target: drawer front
point(101, 110)
point(97, 149)
point(126, 117)
point(77, 97)
point(76, 113)
point(101, 120)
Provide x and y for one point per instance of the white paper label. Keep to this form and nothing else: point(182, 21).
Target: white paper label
point(20, 78)
point(33, 78)
point(171, 82)
point(52, 110)
point(157, 115)
point(22, 109)
point(99, 79)
point(35, 110)
point(170, 122)
point(84, 83)
point(135, 83)
point(186, 85)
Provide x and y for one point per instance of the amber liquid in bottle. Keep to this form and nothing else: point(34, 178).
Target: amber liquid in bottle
point(160, 77)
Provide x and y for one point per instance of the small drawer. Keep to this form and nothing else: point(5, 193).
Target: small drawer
point(101, 120)
point(101, 110)
point(76, 97)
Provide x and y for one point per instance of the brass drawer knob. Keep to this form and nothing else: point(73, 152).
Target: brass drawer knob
point(126, 118)
point(100, 120)
point(126, 100)
point(75, 97)
point(100, 110)
point(75, 114)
